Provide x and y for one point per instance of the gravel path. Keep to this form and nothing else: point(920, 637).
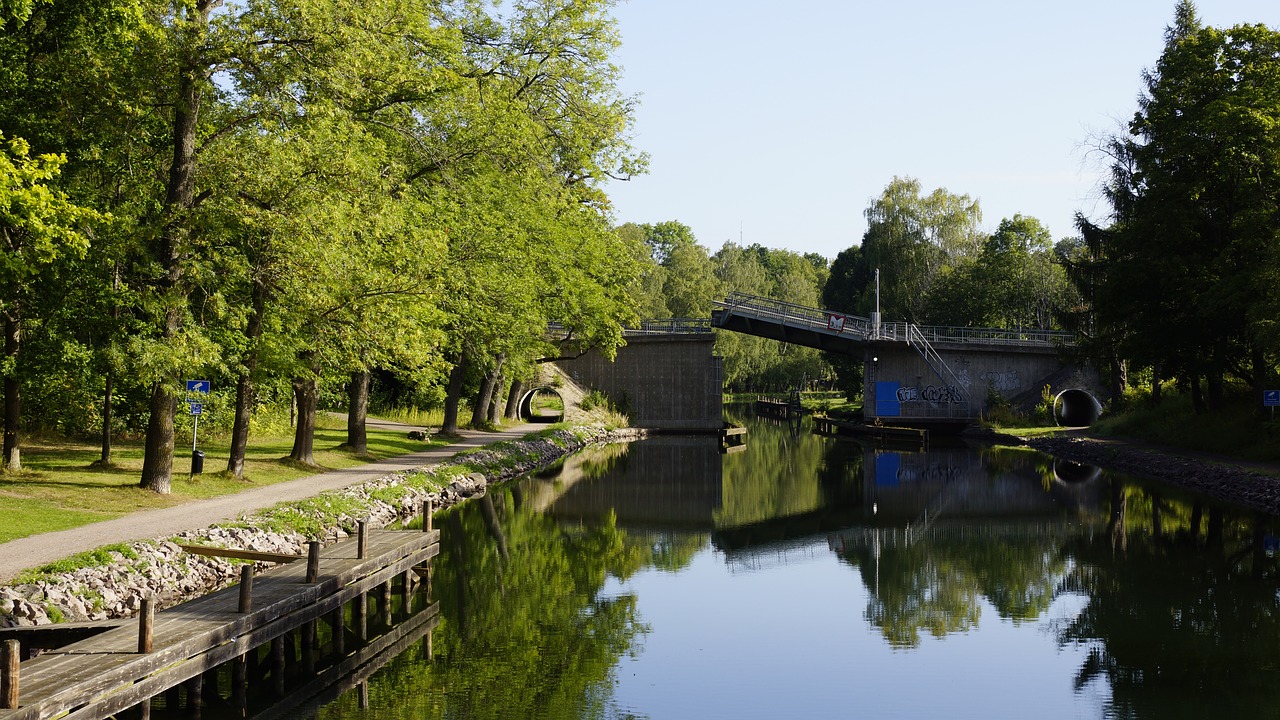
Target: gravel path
point(35, 550)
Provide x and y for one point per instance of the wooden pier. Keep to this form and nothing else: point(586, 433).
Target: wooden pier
point(782, 409)
point(733, 438)
point(916, 437)
point(303, 621)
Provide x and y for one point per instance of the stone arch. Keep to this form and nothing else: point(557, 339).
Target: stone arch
point(1076, 408)
point(526, 405)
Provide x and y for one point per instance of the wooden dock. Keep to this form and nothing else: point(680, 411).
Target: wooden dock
point(781, 409)
point(109, 673)
point(916, 437)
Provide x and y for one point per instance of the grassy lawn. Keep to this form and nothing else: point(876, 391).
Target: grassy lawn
point(59, 487)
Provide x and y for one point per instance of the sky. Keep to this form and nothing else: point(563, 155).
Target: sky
point(777, 123)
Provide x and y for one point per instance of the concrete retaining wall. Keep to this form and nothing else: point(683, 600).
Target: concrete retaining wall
point(899, 383)
point(667, 382)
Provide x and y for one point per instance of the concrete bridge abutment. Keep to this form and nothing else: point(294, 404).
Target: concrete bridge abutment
point(899, 384)
point(662, 381)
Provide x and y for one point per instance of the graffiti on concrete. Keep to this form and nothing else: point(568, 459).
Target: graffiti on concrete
point(932, 394)
point(1002, 381)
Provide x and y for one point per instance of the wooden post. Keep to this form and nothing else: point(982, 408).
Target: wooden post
point(386, 603)
point(362, 616)
point(364, 695)
point(309, 648)
point(240, 683)
point(195, 696)
point(313, 561)
point(144, 710)
point(246, 588)
point(277, 665)
point(10, 657)
point(360, 538)
point(428, 508)
point(339, 632)
point(146, 622)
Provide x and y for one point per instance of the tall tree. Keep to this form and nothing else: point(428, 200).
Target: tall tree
point(38, 225)
point(1195, 188)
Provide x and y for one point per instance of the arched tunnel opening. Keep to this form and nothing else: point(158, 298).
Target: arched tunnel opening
point(1076, 408)
point(542, 405)
point(1070, 472)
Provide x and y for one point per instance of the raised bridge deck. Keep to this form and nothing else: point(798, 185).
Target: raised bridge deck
point(107, 674)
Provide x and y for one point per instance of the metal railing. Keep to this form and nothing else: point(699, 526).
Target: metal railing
point(818, 319)
point(795, 315)
point(673, 326)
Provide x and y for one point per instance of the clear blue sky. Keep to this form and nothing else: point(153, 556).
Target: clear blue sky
point(780, 121)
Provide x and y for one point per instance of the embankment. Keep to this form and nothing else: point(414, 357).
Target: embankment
point(115, 587)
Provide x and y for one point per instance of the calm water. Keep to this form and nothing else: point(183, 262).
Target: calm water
point(810, 577)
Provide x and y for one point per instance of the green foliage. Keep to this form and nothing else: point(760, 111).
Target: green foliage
point(1235, 430)
point(1184, 280)
point(104, 555)
point(595, 399)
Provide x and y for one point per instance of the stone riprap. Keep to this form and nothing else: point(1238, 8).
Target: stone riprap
point(161, 569)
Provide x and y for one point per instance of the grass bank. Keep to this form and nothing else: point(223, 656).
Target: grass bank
point(61, 487)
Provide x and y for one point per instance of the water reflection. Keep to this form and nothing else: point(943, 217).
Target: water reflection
point(635, 580)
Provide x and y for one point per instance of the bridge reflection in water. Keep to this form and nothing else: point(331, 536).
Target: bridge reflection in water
point(661, 576)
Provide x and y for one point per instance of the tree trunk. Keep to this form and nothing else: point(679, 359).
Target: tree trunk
point(240, 429)
point(157, 461)
point(495, 402)
point(1197, 394)
point(1157, 394)
point(307, 392)
point(453, 395)
point(1216, 390)
point(244, 384)
point(1261, 373)
point(358, 412)
point(480, 412)
point(157, 464)
point(513, 399)
point(12, 392)
point(107, 406)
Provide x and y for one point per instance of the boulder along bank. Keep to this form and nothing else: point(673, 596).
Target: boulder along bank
point(1221, 480)
point(159, 568)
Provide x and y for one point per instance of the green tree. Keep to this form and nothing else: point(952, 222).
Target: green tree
point(1192, 251)
point(38, 225)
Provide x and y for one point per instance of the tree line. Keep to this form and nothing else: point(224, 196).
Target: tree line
point(1183, 280)
point(284, 195)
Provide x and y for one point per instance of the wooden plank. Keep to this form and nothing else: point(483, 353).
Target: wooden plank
point(50, 637)
point(203, 629)
point(157, 683)
point(254, 555)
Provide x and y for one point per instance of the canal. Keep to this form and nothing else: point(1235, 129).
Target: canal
point(821, 578)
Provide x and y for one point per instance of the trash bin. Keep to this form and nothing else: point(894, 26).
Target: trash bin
point(197, 462)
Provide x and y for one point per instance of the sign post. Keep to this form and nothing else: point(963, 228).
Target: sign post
point(1271, 399)
point(195, 408)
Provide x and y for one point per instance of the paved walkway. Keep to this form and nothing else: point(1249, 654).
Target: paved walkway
point(36, 550)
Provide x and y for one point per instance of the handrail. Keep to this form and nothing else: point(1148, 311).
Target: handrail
point(817, 318)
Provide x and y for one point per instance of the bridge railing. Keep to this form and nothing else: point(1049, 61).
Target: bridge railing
point(746, 305)
point(816, 318)
point(989, 336)
point(673, 326)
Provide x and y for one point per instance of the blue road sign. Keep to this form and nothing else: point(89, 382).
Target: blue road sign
point(200, 386)
point(1271, 398)
point(195, 408)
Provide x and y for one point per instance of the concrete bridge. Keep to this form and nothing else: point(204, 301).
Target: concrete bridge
point(927, 374)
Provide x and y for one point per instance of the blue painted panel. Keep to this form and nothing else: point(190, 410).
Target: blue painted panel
point(887, 399)
point(887, 466)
